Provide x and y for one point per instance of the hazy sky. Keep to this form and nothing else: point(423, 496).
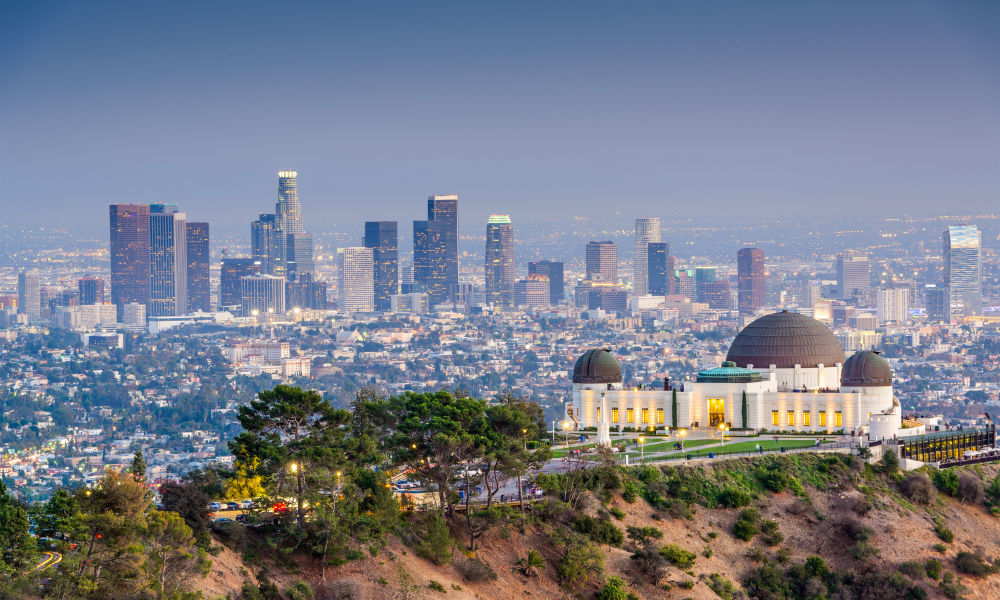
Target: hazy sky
point(534, 108)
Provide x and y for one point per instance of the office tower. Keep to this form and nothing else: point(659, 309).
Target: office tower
point(608, 298)
point(168, 261)
point(647, 230)
point(29, 295)
point(685, 284)
point(716, 294)
point(500, 261)
point(262, 295)
point(299, 257)
point(129, 251)
point(533, 291)
point(435, 248)
point(963, 269)
point(199, 294)
point(305, 292)
point(853, 275)
point(406, 284)
point(91, 290)
point(554, 271)
point(288, 210)
point(602, 262)
point(750, 280)
point(469, 294)
point(265, 245)
point(409, 303)
point(703, 278)
point(383, 238)
point(134, 315)
point(936, 302)
point(356, 279)
point(659, 269)
point(893, 305)
point(230, 288)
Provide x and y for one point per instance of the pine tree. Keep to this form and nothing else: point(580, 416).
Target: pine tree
point(673, 408)
point(17, 546)
point(745, 410)
point(138, 467)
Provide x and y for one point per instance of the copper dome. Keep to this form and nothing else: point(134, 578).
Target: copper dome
point(785, 339)
point(866, 368)
point(597, 366)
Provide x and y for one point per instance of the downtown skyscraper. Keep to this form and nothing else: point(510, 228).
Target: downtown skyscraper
point(962, 245)
point(750, 280)
point(29, 295)
point(168, 261)
point(435, 249)
point(499, 267)
point(660, 269)
point(356, 282)
point(647, 230)
point(602, 262)
point(265, 247)
point(853, 275)
point(199, 295)
point(129, 251)
point(383, 239)
point(553, 270)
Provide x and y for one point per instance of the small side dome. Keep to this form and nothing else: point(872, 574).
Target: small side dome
point(866, 368)
point(597, 366)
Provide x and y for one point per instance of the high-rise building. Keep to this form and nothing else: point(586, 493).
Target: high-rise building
point(129, 255)
point(647, 230)
point(168, 261)
point(266, 246)
point(963, 269)
point(500, 261)
point(91, 290)
point(853, 275)
point(750, 284)
point(659, 269)
point(936, 302)
point(299, 255)
point(230, 288)
point(29, 295)
point(553, 270)
point(288, 210)
point(686, 284)
point(532, 291)
point(356, 281)
point(608, 298)
point(199, 294)
point(435, 248)
point(602, 262)
point(306, 293)
point(383, 238)
point(262, 295)
point(893, 305)
point(715, 293)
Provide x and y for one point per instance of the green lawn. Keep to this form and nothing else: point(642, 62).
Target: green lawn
point(733, 447)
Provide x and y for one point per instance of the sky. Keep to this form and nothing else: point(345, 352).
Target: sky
point(536, 109)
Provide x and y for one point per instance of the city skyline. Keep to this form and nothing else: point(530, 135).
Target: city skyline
point(901, 105)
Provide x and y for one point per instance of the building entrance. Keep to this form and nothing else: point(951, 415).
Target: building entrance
point(716, 412)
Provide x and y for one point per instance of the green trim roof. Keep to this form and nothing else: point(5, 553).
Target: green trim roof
point(728, 373)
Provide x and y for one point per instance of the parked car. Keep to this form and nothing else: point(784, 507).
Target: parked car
point(232, 506)
point(245, 504)
point(241, 518)
point(223, 520)
point(214, 506)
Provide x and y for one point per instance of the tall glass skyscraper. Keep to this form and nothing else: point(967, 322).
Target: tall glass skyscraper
point(29, 295)
point(383, 239)
point(963, 269)
point(750, 283)
point(230, 289)
point(129, 255)
point(660, 269)
point(199, 296)
point(500, 261)
point(435, 248)
point(288, 210)
point(168, 261)
point(356, 285)
point(647, 230)
point(266, 246)
point(602, 262)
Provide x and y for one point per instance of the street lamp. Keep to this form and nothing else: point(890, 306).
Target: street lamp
point(565, 426)
point(524, 436)
point(682, 433)
point(723, 429)
point(642, 456)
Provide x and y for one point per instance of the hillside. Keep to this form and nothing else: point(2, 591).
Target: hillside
point(873, 540)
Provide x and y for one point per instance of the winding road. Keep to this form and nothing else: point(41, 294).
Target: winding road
point(51, 559)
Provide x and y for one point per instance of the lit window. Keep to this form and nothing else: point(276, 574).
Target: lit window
point(791, 417)
point(598, 415)
point(659, 416)
point(807, 418)
point(645, 415)
point(822, 418)
point(629, 415)
point(838, 419)
point(614, 415)
point(774, 418)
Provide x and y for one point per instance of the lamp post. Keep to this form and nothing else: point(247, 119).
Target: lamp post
point(723, 429)
point(642, 456)
point(565, 426)
point(524, 437)
point(682, 433)
point(553, 433)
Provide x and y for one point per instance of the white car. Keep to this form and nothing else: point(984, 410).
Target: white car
point(246, 504)
point(214, 506)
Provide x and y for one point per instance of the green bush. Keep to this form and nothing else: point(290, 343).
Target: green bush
point(945, 480)
point(933, 568)
point(435, 545)
point(614, 589)
point(677, 556)
point(950, 587)
point(722, 587)
point(649, 563)
point(602, 532)
point(299, 590)
point(640, 535)
point(912, 569)
point(630, 493)
point(889, 464)
point(771, 533)
point(437, 586)
point(617, 512)
point(918, 488)
point(773, 479)
point(943, 532)
point(747, 525)
point(970, 563)
point(731, 497)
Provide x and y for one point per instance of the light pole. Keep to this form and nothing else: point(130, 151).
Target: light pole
point(565, 426)
point(642, 456)
point(682, 433)
point(723, 429)
point(524, 436)
point(553, 433)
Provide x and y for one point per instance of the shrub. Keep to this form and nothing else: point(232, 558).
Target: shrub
point(679, 509)
point(677, 556)
point(756, 555)
point(530, 564)
point(731, 497)
point(617, 512)
point(943, 532)
point(299, 590)
point(722, 587)
point(686, 584)
point(950, 587)
point(650, 563)
point(918, 488)
point(771, 533)
point(707, 552)
point(250, 592)
point(437, 586)
point(640, 535)
point(970, 563)
point(863, 551)
point(773, 479)
point(614, 589)
point(602, 532)
point(933, 568)
point(475, 570)
point(889, 463)
point(970, 489)
point(912, 569)
point(946, 481)
point(746, 526)
point(580, 560)
point(435, 545)
point(630, 493)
